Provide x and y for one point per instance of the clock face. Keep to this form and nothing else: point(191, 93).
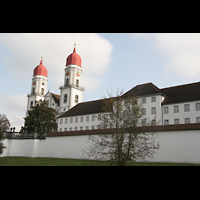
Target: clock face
point(33, 83)
point(67, 74)
point(77, 74)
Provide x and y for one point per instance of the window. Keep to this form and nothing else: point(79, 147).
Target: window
point(143, 111)
point(76, 129)
point(197, 106)
point(76, 99)
point(33, 91)
point(153, 99)
point(65, 129)
point(87, 128)
point(87, 118)
point(65, 98)
point(93, 117)
point(166, 110)
point(187, 120)
point(176, 121)
point(61, 121)
point(76, 120)
point(81, 128)
point(144, 122)
point(153, 110)
point(70, 129)
point(31, 104)
point(71, 120)
point(67, 82)
point(166, 122)
point(81, 119)
point(93, 127)
point(42, 91)
point(77, 83)
point(187, 107)
point(60, 129)
point(198, 119)
point(143, 100)
point(176, 109)
point(66, 121)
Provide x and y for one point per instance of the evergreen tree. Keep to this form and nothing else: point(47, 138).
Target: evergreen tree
point(41, 119)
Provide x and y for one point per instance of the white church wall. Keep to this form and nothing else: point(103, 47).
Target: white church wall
point(175, 146)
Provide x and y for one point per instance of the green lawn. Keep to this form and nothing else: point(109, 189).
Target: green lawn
point(26, 161)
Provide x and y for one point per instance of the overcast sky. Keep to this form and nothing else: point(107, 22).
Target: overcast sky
point(109, 61)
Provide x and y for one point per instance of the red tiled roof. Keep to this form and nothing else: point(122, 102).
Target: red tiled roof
point(40, 70)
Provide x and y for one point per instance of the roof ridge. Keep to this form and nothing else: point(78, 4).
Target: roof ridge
point(180, 85)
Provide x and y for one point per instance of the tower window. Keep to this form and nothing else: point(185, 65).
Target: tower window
point(67, 82)
point(33, 91)
point(65, 98)
point(31, 104)
point(42, 91)
point(76, 99)
point(77, 83)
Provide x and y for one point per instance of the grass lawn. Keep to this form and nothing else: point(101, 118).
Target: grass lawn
point(26, 161)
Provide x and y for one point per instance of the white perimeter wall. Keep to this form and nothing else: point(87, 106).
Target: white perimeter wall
point(175, 146)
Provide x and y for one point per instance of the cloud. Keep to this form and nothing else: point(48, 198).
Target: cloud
point(21, 53)
point(14, 107)
point(182, 51)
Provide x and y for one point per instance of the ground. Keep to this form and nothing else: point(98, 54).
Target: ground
point(26, 161)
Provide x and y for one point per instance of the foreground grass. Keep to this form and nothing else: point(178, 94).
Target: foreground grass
point(26, 161)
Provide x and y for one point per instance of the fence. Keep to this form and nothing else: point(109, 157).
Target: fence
point(25, 135)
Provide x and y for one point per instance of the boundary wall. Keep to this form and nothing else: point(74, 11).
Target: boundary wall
point(178, 143)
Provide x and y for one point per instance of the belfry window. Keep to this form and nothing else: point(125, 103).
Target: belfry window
point(42, 91)
point(31, 104)
point(76, 99)
point(77, 83)
point(65, 98)
point(67, 82)
point(33, 91)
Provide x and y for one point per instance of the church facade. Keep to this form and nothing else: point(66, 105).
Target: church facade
point(172, 105)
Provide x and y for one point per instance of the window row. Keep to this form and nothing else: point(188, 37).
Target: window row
point(80, 119)
point(67, 82)
point(153, 111)
point(65, 98)
point(177, 121)
point(186, 108)
point(153, 99)
point(76, 128)
point(42, 91)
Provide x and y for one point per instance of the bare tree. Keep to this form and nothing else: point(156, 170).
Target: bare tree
point(124, 139)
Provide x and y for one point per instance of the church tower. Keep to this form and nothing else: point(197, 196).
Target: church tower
point(38, 86)
point(71, 92)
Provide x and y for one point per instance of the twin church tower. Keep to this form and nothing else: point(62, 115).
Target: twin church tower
point(71, 92)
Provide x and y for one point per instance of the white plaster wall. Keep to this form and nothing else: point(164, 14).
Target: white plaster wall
point(148, 105)
point(175, 146)
point(83, 124)
point(181, 115)
point(178, 146)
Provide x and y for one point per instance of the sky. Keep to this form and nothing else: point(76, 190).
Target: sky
point(110, 61)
